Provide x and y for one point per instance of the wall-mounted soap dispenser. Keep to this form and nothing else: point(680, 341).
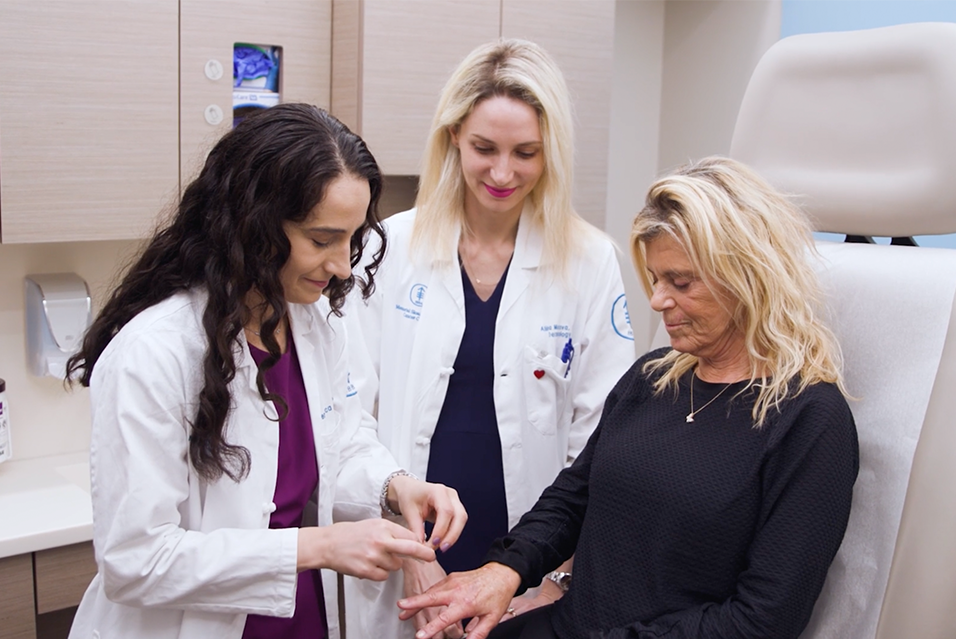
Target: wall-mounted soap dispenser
point(58, 312)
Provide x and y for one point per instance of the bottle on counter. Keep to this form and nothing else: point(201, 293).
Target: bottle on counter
point(5, 451)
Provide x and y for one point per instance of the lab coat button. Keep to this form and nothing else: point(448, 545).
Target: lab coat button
point(268, 508)
point(423, 441)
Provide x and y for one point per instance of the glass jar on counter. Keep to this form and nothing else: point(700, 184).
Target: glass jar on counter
point(5, 451)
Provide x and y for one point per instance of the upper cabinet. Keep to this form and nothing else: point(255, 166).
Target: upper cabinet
point(89, 118)
point(108, 107)
point(300, 31)
point(580, 36)
point(391, 58)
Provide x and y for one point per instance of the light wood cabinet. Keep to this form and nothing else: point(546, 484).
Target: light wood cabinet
point(62, 576)
point(391, 59)
point(108, 107)
point(210, 29)
point(580, 36)
point(17, 616)
point(89, 118)
point(43, 586)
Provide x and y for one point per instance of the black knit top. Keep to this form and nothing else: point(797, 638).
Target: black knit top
point(703, 530)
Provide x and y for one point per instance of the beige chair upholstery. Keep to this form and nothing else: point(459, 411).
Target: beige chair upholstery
point(861, 128)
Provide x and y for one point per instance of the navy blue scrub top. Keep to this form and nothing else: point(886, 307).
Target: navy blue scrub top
point(465, 448)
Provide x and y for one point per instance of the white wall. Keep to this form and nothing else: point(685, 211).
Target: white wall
point(635, 133)
point(680, 71)
point(44, 418)
point(710, 50)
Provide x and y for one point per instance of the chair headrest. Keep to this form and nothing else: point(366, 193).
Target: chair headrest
point(859, 126)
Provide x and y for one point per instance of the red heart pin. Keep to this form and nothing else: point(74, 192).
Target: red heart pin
point(539, 373)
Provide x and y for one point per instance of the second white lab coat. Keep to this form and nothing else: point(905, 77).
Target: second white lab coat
point(546, 407)
point(180, 557)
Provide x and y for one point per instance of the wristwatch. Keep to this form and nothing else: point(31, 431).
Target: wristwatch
point(561, 579)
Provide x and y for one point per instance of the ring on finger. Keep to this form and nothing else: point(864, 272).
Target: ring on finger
point(512, 612)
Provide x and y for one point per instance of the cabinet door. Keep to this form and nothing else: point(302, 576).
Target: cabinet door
point(580, 37)
point(210, 29)
point(89, 118)
point(391, 59)
point(62, 575)
point(17, 620)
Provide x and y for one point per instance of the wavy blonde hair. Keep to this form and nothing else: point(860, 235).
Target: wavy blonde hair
point(523, 71)
point(744, 237)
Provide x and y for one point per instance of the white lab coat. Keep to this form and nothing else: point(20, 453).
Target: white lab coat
point(412, 328)
point(179, 557)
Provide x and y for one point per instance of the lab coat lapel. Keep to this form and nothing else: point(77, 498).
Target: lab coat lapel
point(432, 355)
point(248, 370)
point(449, 276)
point(524, 262)
point(314, 372)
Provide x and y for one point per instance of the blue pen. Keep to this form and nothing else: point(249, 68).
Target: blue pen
point(567, 355)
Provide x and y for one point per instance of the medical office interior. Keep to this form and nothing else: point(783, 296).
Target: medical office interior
point(107, 108)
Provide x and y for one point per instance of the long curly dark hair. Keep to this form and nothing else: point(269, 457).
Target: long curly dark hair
point(227, 237)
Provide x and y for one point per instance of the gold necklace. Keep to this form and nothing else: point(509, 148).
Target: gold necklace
point(470, 271)
point(690, 415)
point(468, 265)
point(278, 331)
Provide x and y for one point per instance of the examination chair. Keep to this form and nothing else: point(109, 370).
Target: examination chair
point(860, 127)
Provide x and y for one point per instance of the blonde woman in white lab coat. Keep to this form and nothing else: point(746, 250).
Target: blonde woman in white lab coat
point(222, 406)
point(499, 322)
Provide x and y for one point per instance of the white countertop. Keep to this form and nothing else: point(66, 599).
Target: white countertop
point(44, 503)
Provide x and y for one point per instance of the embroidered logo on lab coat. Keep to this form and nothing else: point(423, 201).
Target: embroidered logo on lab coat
point(417, 294)
point(620, 319)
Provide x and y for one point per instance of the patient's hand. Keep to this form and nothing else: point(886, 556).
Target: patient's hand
point(483, 594)
point(418, 577)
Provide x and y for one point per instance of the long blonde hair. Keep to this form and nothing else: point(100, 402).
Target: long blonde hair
point(743, 236)
point(523, 71)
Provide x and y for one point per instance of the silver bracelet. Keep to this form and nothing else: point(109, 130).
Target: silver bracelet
point(383, 500)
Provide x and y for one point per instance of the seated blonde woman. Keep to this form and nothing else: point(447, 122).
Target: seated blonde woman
point(716, 489)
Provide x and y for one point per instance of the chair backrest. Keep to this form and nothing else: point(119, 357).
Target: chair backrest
point(861, 128)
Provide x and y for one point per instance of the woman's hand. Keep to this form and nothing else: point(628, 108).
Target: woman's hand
point(420, 576)
point(419, 501)
point(368, 549)
point(483, 594)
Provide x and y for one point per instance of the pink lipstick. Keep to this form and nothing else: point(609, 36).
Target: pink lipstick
point(502, 193)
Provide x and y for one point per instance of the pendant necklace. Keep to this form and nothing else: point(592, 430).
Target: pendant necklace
point(461, 263)
point(690, 415)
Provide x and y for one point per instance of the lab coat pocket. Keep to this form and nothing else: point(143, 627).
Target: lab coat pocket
point(330, 430)
point(545, 388)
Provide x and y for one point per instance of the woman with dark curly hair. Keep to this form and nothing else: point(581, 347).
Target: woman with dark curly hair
point(222, 405)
